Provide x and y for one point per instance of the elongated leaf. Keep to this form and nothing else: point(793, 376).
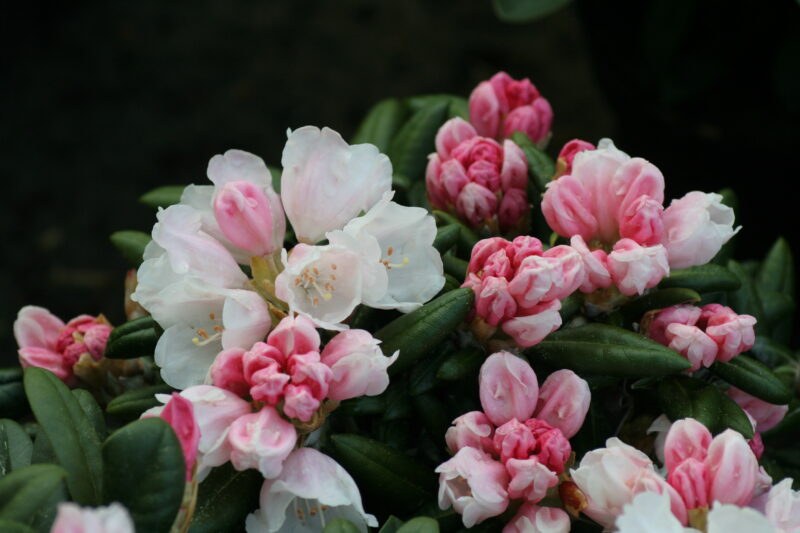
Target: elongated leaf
point(275, 173)
point(135, 402)
point(606, 350)
point(433, 415)
point(138, 343)
point(93, 412)
point(776, 272)
point(137, 324)
point(540, 167)
point(64, 422)
point(412, 144)
point(746, 300)
point(29, 494)
point(16, 447)
point(7, 526)
point(383, 472)
point(771, 353)
point(526, 10)
point(458, 365)
point(467, 238)
point(635, 309)
point(145, 472)
point(789, 427)
point(446, 237)
point(391, 525)
point(570, 307)
point(703, 278)
point(381, 124)
point(225, 498)
point(422, 377)
point(454, 266)
point(421, 524)
point(363, 405)
point(340, 525)
point(163, 196)
point(131, 244)
point(754, 378)
point(13, 402)
point(686, 397)
point(421, 330)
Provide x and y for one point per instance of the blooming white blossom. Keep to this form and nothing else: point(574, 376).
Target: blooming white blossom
point(72, 518)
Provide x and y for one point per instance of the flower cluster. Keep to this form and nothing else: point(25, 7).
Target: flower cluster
point(518, 286)
point(516, 447)
point(702, 335)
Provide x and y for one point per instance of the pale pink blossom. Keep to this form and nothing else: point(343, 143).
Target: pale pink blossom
point(766, 415)
point(493, 301)
point(554, 275)
point(261, 440)
point(532, 328)
point(641, 221)
point(472, 429)
point(531, 518)
point(692, 343)
point(71, 518)
point(476, 204)
point(732, 469)
point(474, 484)
point(529, 479)
point(781, 506)
point(533, 438)
point(508, 388)
point(691, 479)
point(484, 249)
point(250, 217)
point(179, 413)
point(521, 247)
point(595, 266)
point(733, 333)
point(687, 438)
point(564, 399)
point(635, 268)
point(725, 518)
point(685, 314)
point(695, 228)
point(358, 365)
point(568, 208)
point(512, 208)
point(568, 153)
point(451, 134)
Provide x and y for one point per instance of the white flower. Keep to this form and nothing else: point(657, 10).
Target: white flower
point(72, 518)
point(405, 236)
point(728, 518)
point(649, 512)
point(326, 182)
point(311, 490)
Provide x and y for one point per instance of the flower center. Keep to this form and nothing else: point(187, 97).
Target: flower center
point(387, 262)
point(204, 337)
point(317, 285)
point(309, 510)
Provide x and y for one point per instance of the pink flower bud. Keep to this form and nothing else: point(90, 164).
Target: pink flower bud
point(567, 208)
point(692, 343)
point(695, 228)
point(634, 179)
point(307, 369)
point(732, 469)
point(513, 207)
point(476, 204)
point(437, 195)
point(690, 479)
point(522, 247)
point(493, 302)
point(453, 178)
point(482, 250)
point(595, 266)
point(227, 372)
point(498, 265)
point(533, 120)
point(531, 329)
point(474, 485)
point(564, 401)
point(535, 281)
point(685, 314)
point(531, 518)
point(733, 333)
point(568, 153)
point(484, 110)
point(514, 440)
point(179, 414)
point(451, 134)
point(49, 360)
point(472, 429)
point(508, 388)
point(300, 402)
point(766, 415)
point(551, 447)
point(687, 438)
point(262, 441)
point(567, 271)
point(642, 221)
point(250, 218)
point(358, 365)
point(514, 173)
point(757, 445)
point(635, 268)
point(781, 506)
point(96, 339)
point(530, 479)
point(295, 335)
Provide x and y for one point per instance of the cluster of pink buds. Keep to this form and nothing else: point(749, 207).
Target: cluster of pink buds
point(46, 342)
point(518, 285)
point(502, 105)
point(516, 447)
point(476, 177)
point(702, 334)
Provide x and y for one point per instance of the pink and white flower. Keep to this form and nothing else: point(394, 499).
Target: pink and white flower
point(71, 518)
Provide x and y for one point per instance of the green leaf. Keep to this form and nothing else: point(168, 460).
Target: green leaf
point(461, 364)
point(777, 270)
point(570, 307)
point(788, 427)
point(133, 403)
point(381, 124)
point(163, 196)
point(754, 378)
point(275, 174)
point(771, 353)
point(92, 411)
point(703, 278)
point(30, 494)
point(16, 447)
point(686, 397)
point(454, 266)
point(746, 300)
point(446, 237)
point(363, 405)
point(13, 402)
point(409, 149)
point(7, 526)
point(467, 239)
point(422, 377)
point(526, 10)
point(145, 472)
point(42, 450)
point(540, 167)
point(62, 419)
point(398, 404)
point(778, 306)
point(137, 324)
point(433, 415)
point(634, 310)
point(225, 499)
point(421, 524)
point(340, 525)
point(384, 472)
point(606, 350)
point(131, 244)
point(391, 525)
point(421, 330)
point(138, 343)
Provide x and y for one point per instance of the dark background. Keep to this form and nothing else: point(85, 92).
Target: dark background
point(104, 100)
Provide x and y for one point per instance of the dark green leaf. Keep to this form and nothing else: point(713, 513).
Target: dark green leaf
point(686, 397)
point(163, 196)
point(13, 402)
point(62, 419)
point(412, 144)
point(421, 330)
point(145, 472)
point(42, 450)
point(7, 526)
point(134, 403)
point(570, 307)
point(131, 244)
point(754, 378)
point(467, 238)
point(776, 272)
point(634, 310)
point(134, 344)
point(275, 175)
point(422, 377)
point(29, 494)
point(391, 525)
point(446, 237)
point(381, 124)
point(703, 278)
point(770, 353)
point(746, 300)
point(789, 427)
point(363, 405)
point(398, 401)
point(454, 266)
point(540, 167)
point(778, 307)
point(384, 472)
point(340, 525)
point(93, 412)
point(16, 447)
point(433, 415)
point(461, 364)
point(526, 10)
point(225, 498)
point(421, 524)
point(606, 350)
point(137, 324)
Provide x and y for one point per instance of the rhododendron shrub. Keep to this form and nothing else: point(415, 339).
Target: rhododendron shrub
point(441, 322)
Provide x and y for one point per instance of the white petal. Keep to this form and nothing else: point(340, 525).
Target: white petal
point(733, 519)
point(245, 317)
point(238, 165)
point(649, 513)
point(183, 363)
